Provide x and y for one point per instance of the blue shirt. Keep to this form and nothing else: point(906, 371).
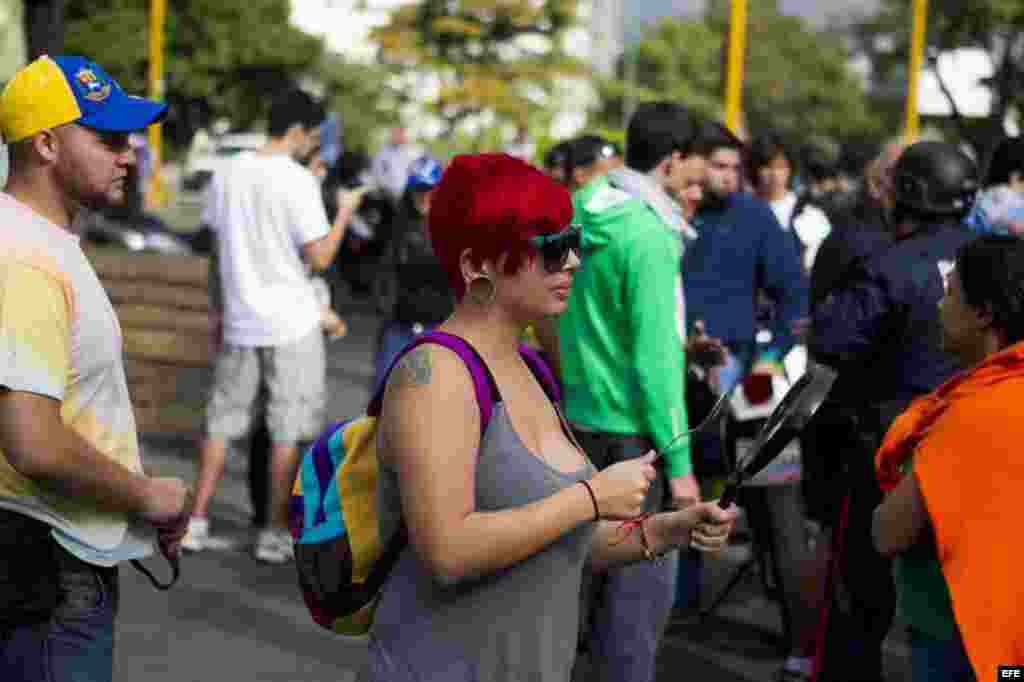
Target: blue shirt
point(740, 249)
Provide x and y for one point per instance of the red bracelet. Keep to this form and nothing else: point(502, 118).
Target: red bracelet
point(627, 528)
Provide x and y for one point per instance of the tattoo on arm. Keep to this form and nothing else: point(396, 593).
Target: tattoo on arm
point(414, 369)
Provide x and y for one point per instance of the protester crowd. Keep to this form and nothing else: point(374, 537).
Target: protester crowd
point(563, 516)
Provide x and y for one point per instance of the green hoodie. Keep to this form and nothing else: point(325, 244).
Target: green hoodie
point(620, 339)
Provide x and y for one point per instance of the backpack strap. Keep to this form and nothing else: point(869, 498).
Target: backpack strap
point(487, 395)
point(484, 385)
point(540, 368)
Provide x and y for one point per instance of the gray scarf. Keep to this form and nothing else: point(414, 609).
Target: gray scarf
point(644, 188)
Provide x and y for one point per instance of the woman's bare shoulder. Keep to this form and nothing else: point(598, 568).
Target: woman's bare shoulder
point(430, 387)
point(428, 367)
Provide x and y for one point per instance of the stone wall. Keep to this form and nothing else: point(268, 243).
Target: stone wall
point(163, 305)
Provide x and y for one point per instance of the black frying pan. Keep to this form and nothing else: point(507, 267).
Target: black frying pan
point(784, 423)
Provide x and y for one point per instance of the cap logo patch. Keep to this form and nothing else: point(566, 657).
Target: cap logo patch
point(95, 89)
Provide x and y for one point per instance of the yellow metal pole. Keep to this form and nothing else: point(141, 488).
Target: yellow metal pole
point(737, 53)
point(156, 194)
point(912, 127)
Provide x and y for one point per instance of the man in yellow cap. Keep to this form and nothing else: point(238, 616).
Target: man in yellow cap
point(74, 501)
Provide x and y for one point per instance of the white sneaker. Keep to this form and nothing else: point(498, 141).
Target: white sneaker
point(274, 546)
point(198, 535)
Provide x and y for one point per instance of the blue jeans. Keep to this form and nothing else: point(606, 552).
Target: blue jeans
point(393, 338)
point(73, 641)
point(938, 660)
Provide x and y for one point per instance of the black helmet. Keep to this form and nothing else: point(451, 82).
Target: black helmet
point(935, 178)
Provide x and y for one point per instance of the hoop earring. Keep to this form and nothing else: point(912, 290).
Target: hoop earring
point(483, 298)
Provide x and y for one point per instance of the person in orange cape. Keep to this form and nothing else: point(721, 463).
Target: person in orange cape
point(952, 469)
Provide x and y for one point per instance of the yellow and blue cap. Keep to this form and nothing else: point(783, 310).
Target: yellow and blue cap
point(54, 91)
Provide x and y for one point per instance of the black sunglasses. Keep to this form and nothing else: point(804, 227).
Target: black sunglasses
point(555, 248)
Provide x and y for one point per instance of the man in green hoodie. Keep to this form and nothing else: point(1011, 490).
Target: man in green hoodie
point(621, 356)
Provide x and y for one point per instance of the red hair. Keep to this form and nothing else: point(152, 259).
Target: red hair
point(492, 204)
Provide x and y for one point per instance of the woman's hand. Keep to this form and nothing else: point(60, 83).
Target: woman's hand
point(621, 488)
point(705, 526)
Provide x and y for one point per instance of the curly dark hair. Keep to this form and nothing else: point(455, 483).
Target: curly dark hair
point(991, 271)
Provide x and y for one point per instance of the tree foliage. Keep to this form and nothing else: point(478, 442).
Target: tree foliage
point(498, 57)
point(797, 80)
point(223, 58)
point(363, 96)
point(12, 38)
point(994, 26)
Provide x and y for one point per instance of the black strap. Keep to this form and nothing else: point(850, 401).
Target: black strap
point(543, 373)
point(175, 562)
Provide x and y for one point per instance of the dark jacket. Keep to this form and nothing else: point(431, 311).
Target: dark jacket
point(423, 294)
point(851, 241)
point(740, 249)
point(880, 323)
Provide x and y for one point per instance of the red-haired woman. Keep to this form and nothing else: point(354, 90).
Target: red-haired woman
point(501, 524)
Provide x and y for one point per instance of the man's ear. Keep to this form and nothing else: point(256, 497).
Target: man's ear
point(664, 167)
point(296, 133)
point(46, 145)
point(580, 176)
point(986, 316)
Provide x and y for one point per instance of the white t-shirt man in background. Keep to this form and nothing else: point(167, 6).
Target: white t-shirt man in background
point(267, 215)
point(389, 169)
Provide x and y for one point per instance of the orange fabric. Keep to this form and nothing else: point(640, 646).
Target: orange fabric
point(967, 441)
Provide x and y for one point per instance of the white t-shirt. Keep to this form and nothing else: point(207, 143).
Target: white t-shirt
point(390, 167)
point(811, 226)
point(60, 338)
point(263, 208)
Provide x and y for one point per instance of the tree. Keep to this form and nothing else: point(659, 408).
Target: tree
point(676, 59)
point(13, 42)
point(363, 96)
point(44, 27)
point(994, 26)
point(796, 82)
point(497, 57)
point(225, 58)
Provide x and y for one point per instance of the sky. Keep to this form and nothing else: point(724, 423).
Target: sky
point(346, 31)
point(816, 10)
point(317, 15)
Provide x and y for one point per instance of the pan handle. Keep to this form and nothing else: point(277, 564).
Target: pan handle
point(728, 496)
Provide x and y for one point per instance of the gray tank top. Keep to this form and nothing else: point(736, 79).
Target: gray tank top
point(519, 625)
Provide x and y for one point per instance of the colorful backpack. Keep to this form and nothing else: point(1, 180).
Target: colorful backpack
point(342, 560)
